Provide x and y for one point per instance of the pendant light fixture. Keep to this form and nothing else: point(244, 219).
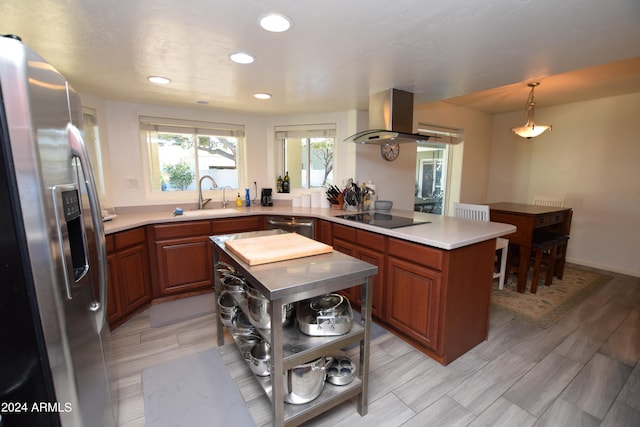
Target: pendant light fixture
point(530, 129)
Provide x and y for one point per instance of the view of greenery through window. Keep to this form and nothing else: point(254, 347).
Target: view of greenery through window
point(180, 156)
point(308, 155)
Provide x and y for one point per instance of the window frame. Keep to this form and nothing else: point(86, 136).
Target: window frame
point(97, 155)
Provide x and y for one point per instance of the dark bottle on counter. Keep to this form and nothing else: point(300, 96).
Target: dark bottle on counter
point(286, 184)
point(279, 184)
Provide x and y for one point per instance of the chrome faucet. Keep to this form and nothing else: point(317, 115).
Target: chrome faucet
point(202, 203)
point(224, 197)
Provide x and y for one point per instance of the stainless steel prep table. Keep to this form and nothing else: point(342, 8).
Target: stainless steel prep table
point(294, 280)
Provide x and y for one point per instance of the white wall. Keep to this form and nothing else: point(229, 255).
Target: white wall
point(591, 158)
point(119, 127)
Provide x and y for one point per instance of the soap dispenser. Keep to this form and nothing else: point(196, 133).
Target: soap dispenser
point(239, 201)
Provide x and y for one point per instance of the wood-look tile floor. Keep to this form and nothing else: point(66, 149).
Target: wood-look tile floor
point(582, 371)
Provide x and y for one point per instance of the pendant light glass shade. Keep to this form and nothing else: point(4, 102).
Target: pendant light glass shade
point(530, 129)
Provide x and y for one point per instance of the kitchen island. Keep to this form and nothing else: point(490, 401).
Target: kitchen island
point(434, 281)
point(287, 282)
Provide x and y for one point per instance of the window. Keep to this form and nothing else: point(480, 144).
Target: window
point(433, 163)
point(181, 152)
point(307, 154)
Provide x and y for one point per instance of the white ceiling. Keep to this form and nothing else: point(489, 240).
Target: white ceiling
point(474, 53)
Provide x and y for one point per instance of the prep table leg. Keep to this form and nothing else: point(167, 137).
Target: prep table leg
point(216, 281)
point(277, 367)
point(365, 314)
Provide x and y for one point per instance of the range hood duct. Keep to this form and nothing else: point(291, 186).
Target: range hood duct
point(390, 120)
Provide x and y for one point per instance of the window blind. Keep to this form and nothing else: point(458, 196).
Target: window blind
point(327, 130)
point(157, 124)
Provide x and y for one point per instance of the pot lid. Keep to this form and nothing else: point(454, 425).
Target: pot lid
point(326, 302)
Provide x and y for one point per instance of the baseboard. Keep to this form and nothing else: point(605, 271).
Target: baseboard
point(604, 267)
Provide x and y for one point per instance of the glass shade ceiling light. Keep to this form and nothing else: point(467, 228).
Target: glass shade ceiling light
point(159, 80)
point(530, 129)
point(262, 95)
point(275, 22)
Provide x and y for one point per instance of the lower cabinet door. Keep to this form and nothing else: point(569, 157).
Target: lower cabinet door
point(413, 300)
point(114, 310)
point(353, 294)
point(184, 265)
point(134, 285)
point(377, 259)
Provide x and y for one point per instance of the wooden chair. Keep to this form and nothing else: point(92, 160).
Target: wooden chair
point(481, 213)
point(548, 201)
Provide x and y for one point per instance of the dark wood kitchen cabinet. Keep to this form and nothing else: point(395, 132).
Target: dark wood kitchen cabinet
point(237, 224)
point(128, 275)
point(324, 232)
point(114, 308)
point(369, 247)
point(183, 255)
point(183, 260)
point(439, 299)
point(408, 282)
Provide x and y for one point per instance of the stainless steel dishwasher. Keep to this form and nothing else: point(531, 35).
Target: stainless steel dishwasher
point(300, 225)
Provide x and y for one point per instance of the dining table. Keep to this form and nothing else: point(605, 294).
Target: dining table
point(529, 219)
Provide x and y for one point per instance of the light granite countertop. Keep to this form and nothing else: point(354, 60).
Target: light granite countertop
point(442, 232)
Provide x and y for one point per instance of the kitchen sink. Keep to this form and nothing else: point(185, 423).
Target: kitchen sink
point(209, 212)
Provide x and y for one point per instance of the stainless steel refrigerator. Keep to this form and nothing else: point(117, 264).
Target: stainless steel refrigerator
point(55, 362)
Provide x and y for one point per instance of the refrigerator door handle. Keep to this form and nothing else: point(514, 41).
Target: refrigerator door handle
point(79, 150)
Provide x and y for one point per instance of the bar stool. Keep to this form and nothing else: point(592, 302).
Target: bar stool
point(561, 242)
point(543, 255)
point(541, 260)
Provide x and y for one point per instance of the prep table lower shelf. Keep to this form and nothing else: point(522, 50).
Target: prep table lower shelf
point(331, 395)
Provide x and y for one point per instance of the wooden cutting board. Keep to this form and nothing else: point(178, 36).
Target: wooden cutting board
point(279, 247)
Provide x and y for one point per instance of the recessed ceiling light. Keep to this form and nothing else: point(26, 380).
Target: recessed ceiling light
point(159, 80)
point(262, 96)
point(202, 102)
point(241, 58)
point(275, 22)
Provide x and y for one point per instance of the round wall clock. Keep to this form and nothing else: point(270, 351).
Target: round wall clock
point(390, 151)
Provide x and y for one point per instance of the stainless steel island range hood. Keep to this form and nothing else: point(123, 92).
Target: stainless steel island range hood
point(391, 120)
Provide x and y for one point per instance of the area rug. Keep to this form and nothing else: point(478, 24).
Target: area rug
point(193, 391)
point(170, 312)
point(549, 303)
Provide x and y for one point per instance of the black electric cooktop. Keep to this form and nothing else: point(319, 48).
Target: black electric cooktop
point(382, 219)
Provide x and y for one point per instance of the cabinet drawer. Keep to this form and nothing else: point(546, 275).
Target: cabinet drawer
point(544, 220)
point(370, 240)
point(185, 229)
point(128, 238)
point(237, 225)
point(420, 254)
point(344, 233)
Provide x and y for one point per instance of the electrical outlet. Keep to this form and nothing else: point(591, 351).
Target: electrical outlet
point(132, 182)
